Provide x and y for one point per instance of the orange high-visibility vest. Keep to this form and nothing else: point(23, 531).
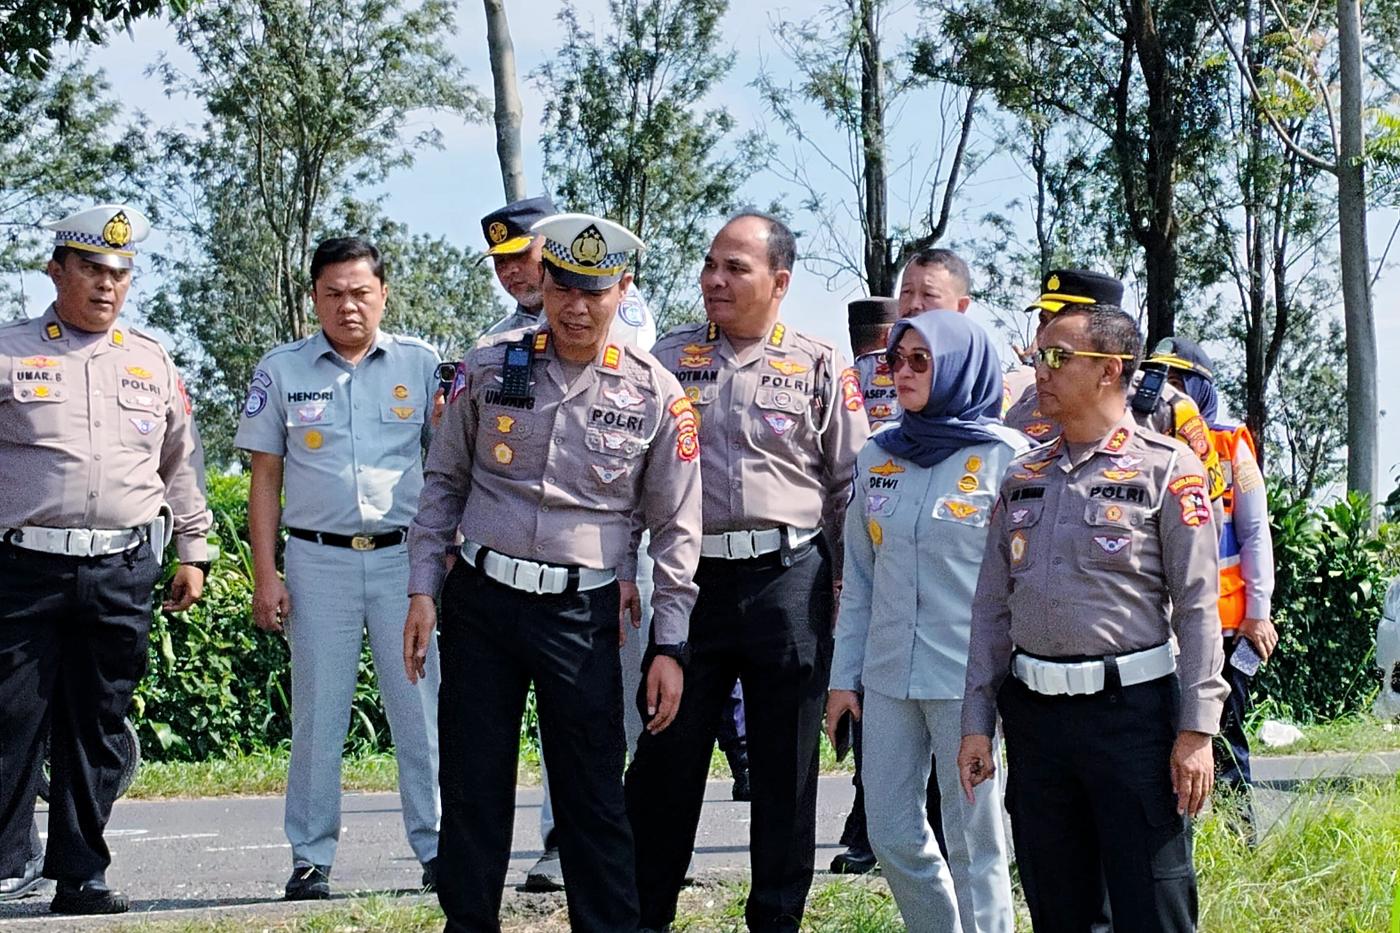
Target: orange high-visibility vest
point(1232, 598)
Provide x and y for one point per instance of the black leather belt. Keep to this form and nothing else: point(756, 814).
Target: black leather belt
point(354, 542)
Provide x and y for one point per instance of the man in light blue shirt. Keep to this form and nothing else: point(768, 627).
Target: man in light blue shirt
point(339, 421)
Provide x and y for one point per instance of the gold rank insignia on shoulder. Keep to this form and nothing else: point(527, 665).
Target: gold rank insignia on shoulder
point(775, 339)
point(712, 332)
point(53, 331)
point(612, 356)
point(541, 341)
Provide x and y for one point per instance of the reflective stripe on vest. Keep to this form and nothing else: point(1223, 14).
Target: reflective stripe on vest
point(1232, 598)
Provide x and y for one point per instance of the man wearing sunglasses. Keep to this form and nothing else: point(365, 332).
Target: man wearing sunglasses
point(1154, 403)
point(1102, 549)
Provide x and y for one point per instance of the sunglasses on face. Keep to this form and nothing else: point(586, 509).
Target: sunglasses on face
point(919, 361)
point(1054, 357)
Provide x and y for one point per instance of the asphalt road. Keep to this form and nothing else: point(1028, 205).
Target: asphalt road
point(228, 855)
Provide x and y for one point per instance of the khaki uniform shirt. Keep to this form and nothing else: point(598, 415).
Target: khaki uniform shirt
point(781, 423)
point(557, 478)
point(351, 436)
point(1015, 383)
point(1176, 415)
point(1105, 554)
point(95, 432)
point(877, 387)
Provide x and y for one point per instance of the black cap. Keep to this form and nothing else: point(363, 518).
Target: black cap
point(1182, 353)
point(1076, 286)
point(508, 230)
point(870, 312)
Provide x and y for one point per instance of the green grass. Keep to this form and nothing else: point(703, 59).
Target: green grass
point(1331, 864)
point(1357, 733)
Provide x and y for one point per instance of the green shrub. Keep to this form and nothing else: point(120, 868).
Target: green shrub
point(1331, 572)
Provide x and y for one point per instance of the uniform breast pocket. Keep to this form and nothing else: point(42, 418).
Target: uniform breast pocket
point(780, 414)
point(142, 419)
point(881, 504)
point(613, 460)
point(312, 422)
point(1023, 527)
point(1112, 533)
point(502, 437)
point(402, 423)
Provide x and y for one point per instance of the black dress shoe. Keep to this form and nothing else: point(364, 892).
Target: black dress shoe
point(90, 897)
point(547, 874)
point(854, 862)
point(309, 882)
point(739, 767)
point(12, 889)
point(430, 875)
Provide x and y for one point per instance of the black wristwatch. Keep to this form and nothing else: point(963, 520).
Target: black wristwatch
point(203, 566)
point(680, 652)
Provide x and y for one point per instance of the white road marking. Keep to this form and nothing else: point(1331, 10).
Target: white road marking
point(172, 838)
point(274, 845)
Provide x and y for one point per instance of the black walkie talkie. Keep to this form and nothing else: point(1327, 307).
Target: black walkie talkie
point(1149, 390)
point(516, 372)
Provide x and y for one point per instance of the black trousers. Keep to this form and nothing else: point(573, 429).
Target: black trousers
point(73, 641)
point(855, 834)
point(770, 626)
point(1089, 785)
point(1231, 746)
point(493, 641)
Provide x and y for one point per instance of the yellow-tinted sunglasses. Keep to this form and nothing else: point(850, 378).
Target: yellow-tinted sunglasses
point(1054, 357)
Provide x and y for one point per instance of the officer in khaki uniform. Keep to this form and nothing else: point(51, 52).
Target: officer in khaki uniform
point(1102, 548)
point(781, 421)
point(96, 437)
point(1170, 411)
point(338, 420)
point(552, 441)
point(870, 320)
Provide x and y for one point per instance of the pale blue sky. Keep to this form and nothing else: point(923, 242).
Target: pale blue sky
point(446, 192)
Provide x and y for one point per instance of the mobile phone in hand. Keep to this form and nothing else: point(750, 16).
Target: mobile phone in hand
point(843, 736)
point(1244, 658)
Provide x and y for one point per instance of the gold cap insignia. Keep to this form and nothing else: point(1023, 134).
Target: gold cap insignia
point(117, 231)
point(588, 247)
point(1052, 284)
point(497, 232)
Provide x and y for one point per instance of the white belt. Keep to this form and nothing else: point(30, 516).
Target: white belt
point(532, 577)
point(742, 545)
point(82, 542)
point(1078, 678)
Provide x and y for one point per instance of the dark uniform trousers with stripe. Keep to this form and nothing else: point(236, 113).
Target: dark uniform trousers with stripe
point(769, 626)
point(493, 642)
point(73, 646)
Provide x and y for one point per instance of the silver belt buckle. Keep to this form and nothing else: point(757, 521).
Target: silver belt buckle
point(362, 542)
point(528, 576)
point(747, 550)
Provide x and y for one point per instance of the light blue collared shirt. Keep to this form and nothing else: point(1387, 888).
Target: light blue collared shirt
point(914, 543)
point(351, 436)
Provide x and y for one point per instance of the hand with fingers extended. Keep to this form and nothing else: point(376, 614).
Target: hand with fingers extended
point(418, 635)
point(1193, 772)
point(629, 609)
point(665, 680)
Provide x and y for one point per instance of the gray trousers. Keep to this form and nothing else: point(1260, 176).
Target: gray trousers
point(972, 892)
point(631, 654)
point(337, 595)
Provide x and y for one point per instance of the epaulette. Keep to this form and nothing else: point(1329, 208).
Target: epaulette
point(415, 342)
point(686, 333)
point(505, 336)
point(1038, 451)
point(824, 346)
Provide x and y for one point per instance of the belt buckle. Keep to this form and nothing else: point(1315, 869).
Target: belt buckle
point(362, 542)
point(528, 576)
point(1080, 678)
point(79, 541)
point(747, 551)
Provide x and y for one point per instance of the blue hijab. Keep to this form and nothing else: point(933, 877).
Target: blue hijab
point(965, 398)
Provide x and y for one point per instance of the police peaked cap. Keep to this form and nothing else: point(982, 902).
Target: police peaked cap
point(1076, 286)
point(1182, 353)
point(507, 230)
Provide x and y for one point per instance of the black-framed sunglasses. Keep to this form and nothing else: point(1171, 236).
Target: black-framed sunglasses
point(1054, 357)
point(919, 361)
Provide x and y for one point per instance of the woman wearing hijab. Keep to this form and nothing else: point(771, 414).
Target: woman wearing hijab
point(915, 532)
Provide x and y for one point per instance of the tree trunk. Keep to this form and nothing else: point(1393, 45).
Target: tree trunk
point(879, 267)
point(1363, 462)
point(508, 112)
